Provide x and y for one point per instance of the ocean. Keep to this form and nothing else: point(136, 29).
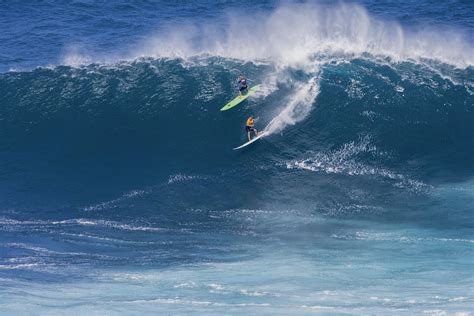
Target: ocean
point(121, 194)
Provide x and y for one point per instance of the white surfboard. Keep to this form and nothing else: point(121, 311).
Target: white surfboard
point(260, 135)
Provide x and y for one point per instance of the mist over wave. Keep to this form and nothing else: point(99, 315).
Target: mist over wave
point(295, 34)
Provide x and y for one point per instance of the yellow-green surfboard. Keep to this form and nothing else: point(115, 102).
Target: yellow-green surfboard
point(239, 99)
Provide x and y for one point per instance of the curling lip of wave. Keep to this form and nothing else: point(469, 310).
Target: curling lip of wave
point(345, 29)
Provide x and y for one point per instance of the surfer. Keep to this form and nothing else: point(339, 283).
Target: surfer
point(249, 127)
point(243, 86)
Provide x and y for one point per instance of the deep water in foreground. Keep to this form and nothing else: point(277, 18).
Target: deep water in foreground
point(120, 192)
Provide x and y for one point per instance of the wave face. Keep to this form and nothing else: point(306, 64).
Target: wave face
point(118, 177)
point(165, 112)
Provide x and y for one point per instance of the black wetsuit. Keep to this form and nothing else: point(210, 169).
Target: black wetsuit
point(243, 87)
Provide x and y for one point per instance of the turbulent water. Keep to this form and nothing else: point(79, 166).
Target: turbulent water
point(120, 192)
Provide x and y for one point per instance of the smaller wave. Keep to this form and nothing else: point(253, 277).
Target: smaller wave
point(214, 287)
point(19, 266)
point(185, 285)
point(179, 301)
point(113, 203)
point(343, 161)
point(255, 293)
point(109, 240)
point(218, 288)
point(34, 248)
point(392, 237)
point(81, 222)
point(176, 178)
point(317, 307)
point(49, 253)
point(338, 209)
point(111, 224)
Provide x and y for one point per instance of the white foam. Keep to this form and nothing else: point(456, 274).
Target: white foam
point(457, 299)
point(297, 107)
point(18, 266)
point(183, 177)
point(186, 285)
point(114, 203)
point(343, 161)
point(401, 238)
point(179, 301)
point(293, 34)
point(255, 293)
point(81, 222)
point(317, 307)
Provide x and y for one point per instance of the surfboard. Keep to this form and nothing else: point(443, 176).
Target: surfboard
point(239, 99)
point(260, 135)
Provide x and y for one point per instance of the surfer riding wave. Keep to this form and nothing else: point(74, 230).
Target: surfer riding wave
point(249, 127)
point(243, 86)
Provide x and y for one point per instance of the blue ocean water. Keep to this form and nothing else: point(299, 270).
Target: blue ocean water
point(120, 192)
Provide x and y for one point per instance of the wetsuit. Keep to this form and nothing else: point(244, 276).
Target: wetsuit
point(243, 87)
point(249, 126)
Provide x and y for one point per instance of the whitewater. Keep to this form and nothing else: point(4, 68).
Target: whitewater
point(120, 192)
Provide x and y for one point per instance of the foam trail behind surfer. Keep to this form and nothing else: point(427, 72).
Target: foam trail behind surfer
point(297, 107)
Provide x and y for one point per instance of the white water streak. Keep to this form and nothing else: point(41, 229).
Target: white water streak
point(297, 108)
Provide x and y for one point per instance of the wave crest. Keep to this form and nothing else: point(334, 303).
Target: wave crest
point(294, 34)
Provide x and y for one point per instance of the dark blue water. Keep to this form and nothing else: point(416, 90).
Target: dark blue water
point(120, 192)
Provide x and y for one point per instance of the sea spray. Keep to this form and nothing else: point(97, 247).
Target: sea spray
point(298, 106)
point(294, 34)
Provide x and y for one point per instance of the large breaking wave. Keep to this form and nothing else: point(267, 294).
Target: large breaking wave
point(331, 76)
